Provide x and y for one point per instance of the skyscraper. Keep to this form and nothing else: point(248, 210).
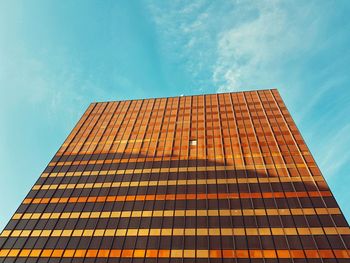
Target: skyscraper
point(208, 178)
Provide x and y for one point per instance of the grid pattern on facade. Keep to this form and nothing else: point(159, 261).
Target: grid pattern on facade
point(208, 178)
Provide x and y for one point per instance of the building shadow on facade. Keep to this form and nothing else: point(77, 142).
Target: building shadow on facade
point(167, 194)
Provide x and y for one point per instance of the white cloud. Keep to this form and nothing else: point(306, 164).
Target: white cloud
point(237, 44)
point(251, 52)
point(186, 36)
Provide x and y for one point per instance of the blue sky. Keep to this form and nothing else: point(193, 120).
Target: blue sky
point(58, 56)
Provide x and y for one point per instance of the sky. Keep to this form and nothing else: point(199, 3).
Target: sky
point(56, 57)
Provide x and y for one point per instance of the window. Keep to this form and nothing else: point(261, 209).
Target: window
point(193, 142)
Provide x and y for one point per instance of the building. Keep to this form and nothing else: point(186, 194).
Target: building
point(208, 178)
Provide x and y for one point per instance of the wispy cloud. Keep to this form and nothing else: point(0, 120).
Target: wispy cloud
point(238, 44)
point(252, 52)
point(55, 85)
point(186, 33)
point(333, 161)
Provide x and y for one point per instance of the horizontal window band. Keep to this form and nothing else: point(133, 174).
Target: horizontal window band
point(172, 253)
point(118, 158)
point(181, 213)
point(179, 232)
point(175, 242)
point(127, 198)
point(174, 190)
point(173, 182)
point(203, 204)
point(113, 142)
point(92, 155)
point(180, 222)
point(178, 169)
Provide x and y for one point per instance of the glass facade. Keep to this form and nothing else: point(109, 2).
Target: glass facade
point(208, 178)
